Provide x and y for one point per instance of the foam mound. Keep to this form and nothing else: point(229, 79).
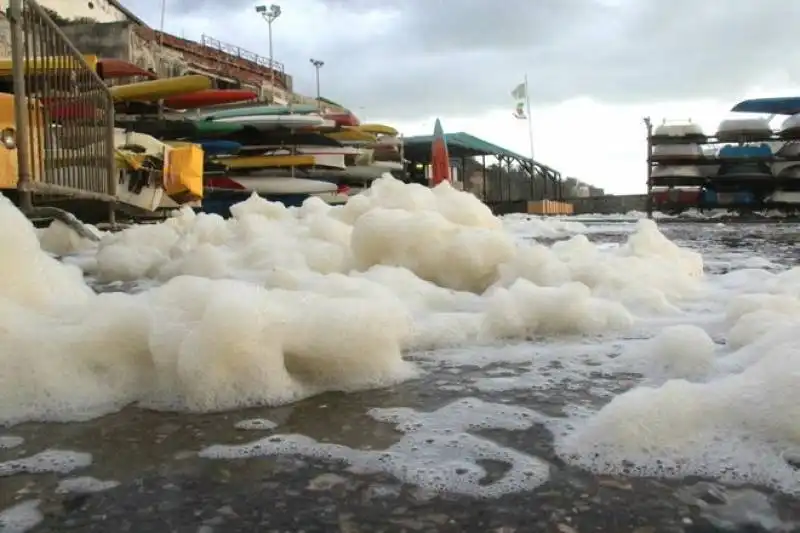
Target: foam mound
point(277, 304)
point(727, 413)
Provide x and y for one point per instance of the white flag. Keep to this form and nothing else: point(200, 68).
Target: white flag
point(520, 94)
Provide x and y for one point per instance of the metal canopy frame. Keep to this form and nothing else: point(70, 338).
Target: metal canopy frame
point(462, 146)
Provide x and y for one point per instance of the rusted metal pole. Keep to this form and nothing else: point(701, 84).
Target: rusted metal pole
point(21, 119)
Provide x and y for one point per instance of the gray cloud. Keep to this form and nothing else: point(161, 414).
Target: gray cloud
point(453, 57)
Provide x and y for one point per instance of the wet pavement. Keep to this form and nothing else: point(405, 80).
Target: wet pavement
point(159, 483)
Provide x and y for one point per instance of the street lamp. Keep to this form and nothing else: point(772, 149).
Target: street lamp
point(318, 65)
point(270, 14)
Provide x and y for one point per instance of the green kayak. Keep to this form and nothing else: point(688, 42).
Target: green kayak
point(261, 110)
point(209, 127)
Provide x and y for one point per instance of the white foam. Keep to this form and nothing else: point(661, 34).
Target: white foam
point(84, 485)
point(682, 352)
point(530, 227)
point(10, 441)
point(58, 461)
point(277, 304)
point(60, 239)
point(737, 425)
point(256, 424)
point(436, 452)
point(21, 517)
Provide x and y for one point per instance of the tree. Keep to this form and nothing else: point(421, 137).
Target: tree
point(55, 17)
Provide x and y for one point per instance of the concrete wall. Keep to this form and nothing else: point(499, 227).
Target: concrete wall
point(5, 37)
point(103, 40)
point(99, 10)
point(609, 204)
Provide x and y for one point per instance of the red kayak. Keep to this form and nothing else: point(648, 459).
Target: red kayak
point(109, 68)
point(209, 97)
point(66, 108)
point(440, 159)
point(343, 119)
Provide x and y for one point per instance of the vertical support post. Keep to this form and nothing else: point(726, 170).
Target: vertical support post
point(649, 201)
point(530, 134)
point(111, 164)
point(317, 65)
point(483, 175)
point(271, 63)
point(21, 110)
point(403, 156)
point(319, 94)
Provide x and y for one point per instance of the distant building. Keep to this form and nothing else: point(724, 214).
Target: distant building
point(108, 29)
point(575, 188)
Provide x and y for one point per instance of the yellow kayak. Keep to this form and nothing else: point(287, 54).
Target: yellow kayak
point(352, 134)
point(158, 89)
point(267, 161)
point(377, 129)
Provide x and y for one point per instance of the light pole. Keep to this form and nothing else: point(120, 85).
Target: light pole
point(318, 65)
point(270, 15)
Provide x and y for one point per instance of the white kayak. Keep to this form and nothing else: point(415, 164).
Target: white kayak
point(322, 157)
point(388, 165)
point(329, 150)
point(272, 185)
point(366, 173)
point(269, 122)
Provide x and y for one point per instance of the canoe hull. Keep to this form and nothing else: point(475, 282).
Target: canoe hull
point(262, 110)
point(271, 185)
point(111, 68)
point(209, 97)
point(159, 89)
point(272, 122)
point(266, 161)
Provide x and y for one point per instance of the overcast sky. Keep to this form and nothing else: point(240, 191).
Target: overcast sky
point(595, 67)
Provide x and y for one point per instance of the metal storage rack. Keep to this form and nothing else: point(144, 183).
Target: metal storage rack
point(742, 192)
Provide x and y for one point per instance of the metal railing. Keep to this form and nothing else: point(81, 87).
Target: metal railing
point(64, 113)
point(236, 51)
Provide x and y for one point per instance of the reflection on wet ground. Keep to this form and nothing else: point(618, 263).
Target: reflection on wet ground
point(164, 486)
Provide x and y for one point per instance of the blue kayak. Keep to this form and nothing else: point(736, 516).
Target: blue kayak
point(219, 147)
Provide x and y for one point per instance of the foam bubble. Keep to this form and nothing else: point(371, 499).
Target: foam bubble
point(84, 485)
point(684, 351)
point(10, 441)
point(256, 424)
point(436, 451)
point(21, 517)
point(60, 239)
point(738, 427)
point(58, 461)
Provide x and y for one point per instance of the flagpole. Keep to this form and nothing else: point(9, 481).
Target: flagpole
point(530, 131)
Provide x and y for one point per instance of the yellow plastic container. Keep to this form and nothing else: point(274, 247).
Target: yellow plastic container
point(183, 173)
point(8, 157)
point(550, 207)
